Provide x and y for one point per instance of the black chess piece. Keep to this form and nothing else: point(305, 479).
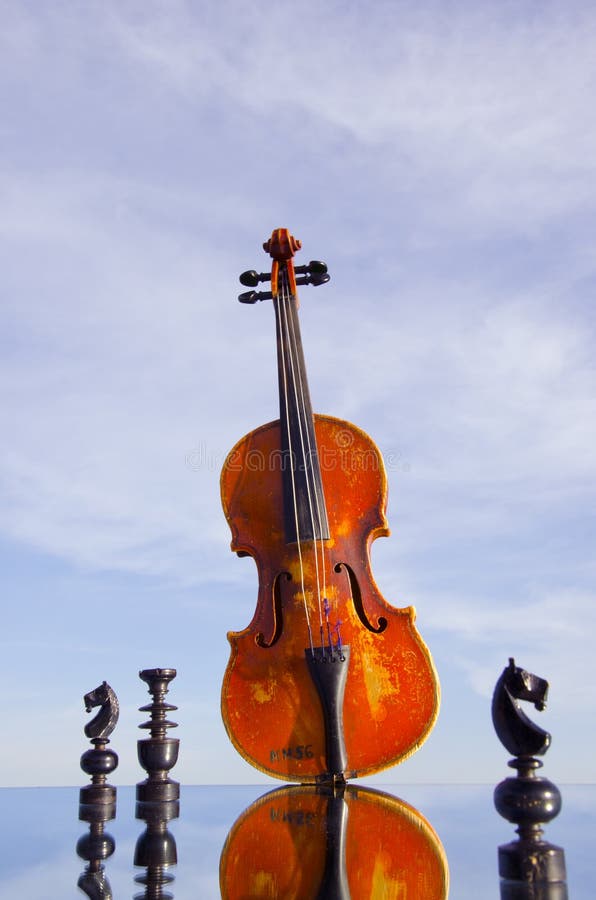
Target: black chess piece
point(100, 761)
point(156, 849)
point(97, 801)
point(158, 753)
point(530, 867)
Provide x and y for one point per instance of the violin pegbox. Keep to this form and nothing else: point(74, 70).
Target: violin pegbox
point(282, 246)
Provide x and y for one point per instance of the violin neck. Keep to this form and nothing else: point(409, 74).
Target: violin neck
point(305, 516)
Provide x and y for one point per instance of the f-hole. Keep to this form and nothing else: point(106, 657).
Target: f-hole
point(357, 600)
point(276, 602)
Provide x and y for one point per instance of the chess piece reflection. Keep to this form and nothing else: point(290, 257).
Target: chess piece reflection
point(97, 801)
point(158, 753)
point(156, 849)
point(530, 868)
point(332, 843)
point(95, 847)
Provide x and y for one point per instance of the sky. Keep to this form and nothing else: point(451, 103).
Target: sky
point(441, 158)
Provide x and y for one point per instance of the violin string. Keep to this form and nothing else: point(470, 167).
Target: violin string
point(295, 371)
point(281, 310)
point(309, 455)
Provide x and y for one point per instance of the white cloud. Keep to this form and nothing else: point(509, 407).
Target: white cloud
point(128, 328)
point(550, 634)
point(496, 105)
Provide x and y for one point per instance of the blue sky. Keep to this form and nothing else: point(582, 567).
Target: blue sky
point(441, 157)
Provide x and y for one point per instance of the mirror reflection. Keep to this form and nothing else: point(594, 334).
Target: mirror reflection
point(346, 843)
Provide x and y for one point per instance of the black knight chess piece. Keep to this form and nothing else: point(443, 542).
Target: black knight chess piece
point(530, 868)
point(100, 761)
point(158, 753)
point(97, 801)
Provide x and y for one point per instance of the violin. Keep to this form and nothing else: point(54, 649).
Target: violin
point(328, 681)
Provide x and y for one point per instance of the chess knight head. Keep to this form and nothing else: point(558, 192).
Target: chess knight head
point(102, 725)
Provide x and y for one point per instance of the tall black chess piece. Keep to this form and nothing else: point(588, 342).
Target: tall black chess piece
point(97, 801)
point(156, 849)
point(530, 868)
point(158, 753)
point(100, 761)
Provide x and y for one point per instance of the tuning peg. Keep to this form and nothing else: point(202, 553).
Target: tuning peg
point(313, 268)
point(251, 278)
point(253, 296)
point(314, 273)
point(314, 278)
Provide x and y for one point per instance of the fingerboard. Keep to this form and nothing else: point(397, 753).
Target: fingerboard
point(305, 515)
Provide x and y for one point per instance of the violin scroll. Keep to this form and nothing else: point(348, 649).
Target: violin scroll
point(282, 245)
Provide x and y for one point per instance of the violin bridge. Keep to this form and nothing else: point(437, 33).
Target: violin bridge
point(328, 668)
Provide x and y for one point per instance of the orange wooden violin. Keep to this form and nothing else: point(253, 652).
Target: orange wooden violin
point(328, 681)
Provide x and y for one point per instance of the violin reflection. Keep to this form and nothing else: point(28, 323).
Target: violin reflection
point(342, 843)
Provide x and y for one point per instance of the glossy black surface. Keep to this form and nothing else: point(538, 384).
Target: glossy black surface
point(40, 829)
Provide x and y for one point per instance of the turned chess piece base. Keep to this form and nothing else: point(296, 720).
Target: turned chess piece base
point(530, 801)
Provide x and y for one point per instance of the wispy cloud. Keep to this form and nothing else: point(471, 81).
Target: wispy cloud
point(495, 105)
point(551, 632)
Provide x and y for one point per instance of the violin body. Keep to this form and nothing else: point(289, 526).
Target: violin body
point(328, 681)
point(270, 705)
